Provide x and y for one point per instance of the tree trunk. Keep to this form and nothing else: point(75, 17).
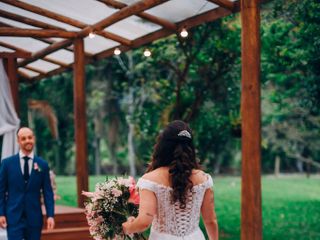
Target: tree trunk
point(97, 156)
point(131, 153)
point(277, 166)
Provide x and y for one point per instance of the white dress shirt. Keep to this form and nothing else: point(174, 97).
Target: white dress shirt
point(30, 161)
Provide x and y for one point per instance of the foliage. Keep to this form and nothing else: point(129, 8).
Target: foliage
point(291, 82)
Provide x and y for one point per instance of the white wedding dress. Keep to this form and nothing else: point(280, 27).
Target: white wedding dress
point(172, 222)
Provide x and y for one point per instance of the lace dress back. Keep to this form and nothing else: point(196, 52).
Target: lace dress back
point(172, 222)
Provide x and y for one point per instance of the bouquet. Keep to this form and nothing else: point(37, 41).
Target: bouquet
point(112, 202)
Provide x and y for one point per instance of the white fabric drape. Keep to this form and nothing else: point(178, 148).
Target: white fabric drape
point(9, 121)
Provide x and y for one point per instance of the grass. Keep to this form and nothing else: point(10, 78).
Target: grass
point(290, 205)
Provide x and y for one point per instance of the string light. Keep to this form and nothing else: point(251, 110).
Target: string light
point(184, 33)
point(117, 51)
point(91, 35)
point(147, 53)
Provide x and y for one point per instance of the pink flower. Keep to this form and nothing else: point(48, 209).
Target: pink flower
point(116, 192)
point(36, 167)
point(88, 194)
point(134, 195)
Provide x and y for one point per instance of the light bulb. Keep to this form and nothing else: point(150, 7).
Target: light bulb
point(91, 35)
point(117, 51)
point(147, 53)
point(184, 33)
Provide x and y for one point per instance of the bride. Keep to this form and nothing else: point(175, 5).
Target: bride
point(174, 191)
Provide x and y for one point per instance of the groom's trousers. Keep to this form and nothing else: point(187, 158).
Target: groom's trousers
point(22, 231)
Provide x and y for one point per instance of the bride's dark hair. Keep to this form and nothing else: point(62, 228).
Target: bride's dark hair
point(175, 149)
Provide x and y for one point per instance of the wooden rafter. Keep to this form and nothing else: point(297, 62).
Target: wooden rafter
point(56, 62)
point(224, 3)
point(28, 21)
point(14, 55)
point(24, 76)
point(20, 32)
point(197, 20)
point(64, 19)
point(70, 48)
point(45, 40)
point(157, 20)
point(34, 23)
point(12, 47)
point(120, 15)
point(34, 69)
point(44, 52)
point(50, 41)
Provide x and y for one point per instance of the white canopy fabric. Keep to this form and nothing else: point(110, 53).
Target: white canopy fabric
point(9, 121)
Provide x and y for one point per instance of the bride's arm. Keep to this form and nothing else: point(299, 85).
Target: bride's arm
point(209, 215)
point(147, 210)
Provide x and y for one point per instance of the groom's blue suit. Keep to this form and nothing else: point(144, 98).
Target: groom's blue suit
point(20, 201)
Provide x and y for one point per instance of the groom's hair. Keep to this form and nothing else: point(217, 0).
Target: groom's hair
point(21, 128)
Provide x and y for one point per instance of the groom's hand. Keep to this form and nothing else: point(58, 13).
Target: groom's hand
point(50, 223)
point(3, 222)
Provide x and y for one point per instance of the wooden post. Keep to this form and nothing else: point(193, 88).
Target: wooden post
point(80, 122)
point(251, 220)
point(10, 65)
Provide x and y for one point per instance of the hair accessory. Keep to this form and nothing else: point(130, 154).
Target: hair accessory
point(184, 133)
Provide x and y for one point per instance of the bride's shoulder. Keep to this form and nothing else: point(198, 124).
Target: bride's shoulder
point(159, 176)
point(154, 174)
point(198, 176)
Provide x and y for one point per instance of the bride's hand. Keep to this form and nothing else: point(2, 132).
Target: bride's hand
point(125, 225)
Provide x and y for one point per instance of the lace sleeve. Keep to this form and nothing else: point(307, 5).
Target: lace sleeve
point(146, 184)
point(209, 182)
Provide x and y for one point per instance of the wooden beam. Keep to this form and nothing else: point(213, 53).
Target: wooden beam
point(50, 41)
point(224, 3)
point(11, 69)
point(64, 19)
point(19, 32)
point(15, 48)
point(69, 48)
point(157, 20)
point(34, 69)
point(12, 47)
point(80, 122)
point(28, 21)
point(52, 48)
point(192, 22)
point(54, 61)
point(45, 40)
point(251, 217)
point(123, 13)
point(52, 73)
point(24, 76)
point(39, 24)
point(14, 55)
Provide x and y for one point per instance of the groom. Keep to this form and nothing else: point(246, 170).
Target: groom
point(22, 177)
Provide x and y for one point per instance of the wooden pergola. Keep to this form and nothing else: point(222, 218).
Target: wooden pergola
point(112, 22)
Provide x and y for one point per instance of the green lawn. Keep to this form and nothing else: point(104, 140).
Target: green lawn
point(291, 205)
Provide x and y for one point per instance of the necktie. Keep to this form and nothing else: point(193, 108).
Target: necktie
point(26, 168)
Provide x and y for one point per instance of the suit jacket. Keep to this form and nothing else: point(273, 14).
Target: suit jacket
point(18, 198)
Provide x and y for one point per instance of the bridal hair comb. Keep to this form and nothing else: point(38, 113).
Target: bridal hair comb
point(184, 133)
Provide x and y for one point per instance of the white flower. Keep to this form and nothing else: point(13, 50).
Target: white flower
point(116, 192)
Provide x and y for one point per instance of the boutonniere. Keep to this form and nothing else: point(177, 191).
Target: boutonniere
point(36, 167)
